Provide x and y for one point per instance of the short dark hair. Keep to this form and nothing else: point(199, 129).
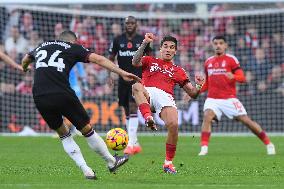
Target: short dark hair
point(220, 37)
point(130, 18)
point(169, 38)
point(67, 36)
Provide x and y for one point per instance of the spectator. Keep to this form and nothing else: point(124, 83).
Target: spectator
point(27, 25)
point(58, 29)
point(16, 45)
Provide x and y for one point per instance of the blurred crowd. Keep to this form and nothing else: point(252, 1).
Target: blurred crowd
point(257, 44)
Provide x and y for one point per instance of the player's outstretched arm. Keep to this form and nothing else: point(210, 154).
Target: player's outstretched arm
point(192, 91)
point(26, 62)
point(6, 59)
point(136, 60)
point(106, 63)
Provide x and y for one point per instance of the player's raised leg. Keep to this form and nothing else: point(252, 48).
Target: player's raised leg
point(142, 99)
point(208, 117)
point(97, 144)
point(170, 116)
point(259, 132)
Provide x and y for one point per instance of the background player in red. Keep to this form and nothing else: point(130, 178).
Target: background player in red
point(124, 47)
point(159, 76)
point(222, 72)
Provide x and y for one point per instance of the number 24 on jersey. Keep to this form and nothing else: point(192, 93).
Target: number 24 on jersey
point(42, 54)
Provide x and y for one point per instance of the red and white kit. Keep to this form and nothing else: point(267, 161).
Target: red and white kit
point(159, 78)
point(222, 96)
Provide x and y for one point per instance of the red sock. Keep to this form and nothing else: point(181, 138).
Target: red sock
point(145, 110)
point(205, 136)
point(170, 151)
point(263, 137)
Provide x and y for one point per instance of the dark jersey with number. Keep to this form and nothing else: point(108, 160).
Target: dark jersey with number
point(125, 50)
point(53, 62)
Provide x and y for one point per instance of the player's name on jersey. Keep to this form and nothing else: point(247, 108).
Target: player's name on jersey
point(61, 43)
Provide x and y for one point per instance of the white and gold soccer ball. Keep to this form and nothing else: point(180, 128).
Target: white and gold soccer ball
point(116, 139)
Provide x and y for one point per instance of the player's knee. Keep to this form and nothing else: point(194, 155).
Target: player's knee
point(172, 126)
point(137, 87)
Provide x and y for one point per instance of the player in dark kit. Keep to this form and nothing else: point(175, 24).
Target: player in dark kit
point(124, 47)
point(54, 97)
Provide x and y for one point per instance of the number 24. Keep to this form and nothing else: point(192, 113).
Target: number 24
point(42, 54)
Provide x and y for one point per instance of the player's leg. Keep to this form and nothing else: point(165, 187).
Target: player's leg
point(79, 117)
point(170, 116)
point(258, 131)
point(142, 100)
point(208, 117)
point(133, 146)
point(48, 108)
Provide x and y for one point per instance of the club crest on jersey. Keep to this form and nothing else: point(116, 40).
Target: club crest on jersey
point(155, 68)
point(121, 45)
point(224, 63)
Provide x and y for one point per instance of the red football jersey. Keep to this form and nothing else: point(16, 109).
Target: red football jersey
point(162, 75)
point(219, 86)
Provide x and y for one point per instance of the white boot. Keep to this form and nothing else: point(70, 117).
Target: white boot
point(203, 151)
point(270, 149)
point(88, 172)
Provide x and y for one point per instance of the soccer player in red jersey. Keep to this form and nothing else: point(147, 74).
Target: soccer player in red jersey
point(222, 72)
point(159, 76)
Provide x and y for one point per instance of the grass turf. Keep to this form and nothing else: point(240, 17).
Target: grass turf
point(232, 162)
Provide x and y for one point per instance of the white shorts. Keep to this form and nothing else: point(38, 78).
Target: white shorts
point(231, 107)
point(160, 99)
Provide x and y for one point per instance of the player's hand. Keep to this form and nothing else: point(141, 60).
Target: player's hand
point(230, 75)
point(26, 69)
point(199, 79)
point(130, 77)
point(149, 37)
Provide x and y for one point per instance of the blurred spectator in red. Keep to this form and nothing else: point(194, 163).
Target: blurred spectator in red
point(186, 36)
point(83, 37)
point(220, 22)
point(101, 42)
point(25, 86)
point(252, 37)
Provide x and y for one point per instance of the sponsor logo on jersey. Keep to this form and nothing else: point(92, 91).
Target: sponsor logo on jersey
point(126, 53)
point(217, 71)
point(165, 70)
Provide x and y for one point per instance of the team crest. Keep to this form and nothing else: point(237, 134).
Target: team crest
point(121, 45)
point(223, 63)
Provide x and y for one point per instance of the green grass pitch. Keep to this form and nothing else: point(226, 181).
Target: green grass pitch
point(232, 162)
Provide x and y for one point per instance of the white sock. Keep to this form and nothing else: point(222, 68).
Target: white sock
point(132, 131)
point(127, 124)
point(168, 162)
point(73, 150)
point(97, 144)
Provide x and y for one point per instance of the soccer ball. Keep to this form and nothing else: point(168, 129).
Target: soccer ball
point(117, 139)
